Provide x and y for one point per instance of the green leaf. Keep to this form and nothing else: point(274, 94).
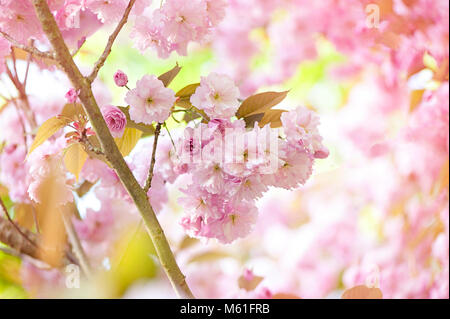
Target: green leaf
point(259, 103)
point(128, 140)
point(166, 78)
point(132, 259)
point(74, 158)
point(47, 129)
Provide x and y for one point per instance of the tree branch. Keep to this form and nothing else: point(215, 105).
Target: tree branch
point(111, 150)
point(30, 247)
point(77, 248)
point(13, 224)
point(148, 183)
point(110, 42)
point(29, 49)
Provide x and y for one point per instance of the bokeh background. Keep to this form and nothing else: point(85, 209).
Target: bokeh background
point(374, 212)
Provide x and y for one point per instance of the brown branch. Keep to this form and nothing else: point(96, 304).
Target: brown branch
point(75, 243)
point(23, 97)
point(110, 43)
point(10, 237)
point(89, 147)
point(11, 252)
point(148, 183)
point(29, 58)
point(13, 224)
point(29, 49)
point(111, 150)
point(30, 247)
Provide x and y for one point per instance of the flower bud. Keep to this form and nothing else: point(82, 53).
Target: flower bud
point(120, 78)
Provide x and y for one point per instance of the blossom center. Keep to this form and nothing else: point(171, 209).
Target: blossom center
point(180, 19)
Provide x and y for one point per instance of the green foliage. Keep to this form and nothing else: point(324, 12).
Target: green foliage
point(134, 260)
point(10, 287)
point(310, 73)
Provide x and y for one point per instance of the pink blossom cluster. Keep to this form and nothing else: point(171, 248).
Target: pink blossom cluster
point(175, 24)
point(252, 28)
point(378, 215)
point(77, 19)
point(231, 166)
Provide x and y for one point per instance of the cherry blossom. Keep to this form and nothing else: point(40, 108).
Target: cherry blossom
point(120, 78)
point(217, 96)
point(115, 119)
point(150, 101)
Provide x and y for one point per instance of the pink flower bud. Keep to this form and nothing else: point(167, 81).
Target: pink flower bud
point(115, 119)
point(120, 78)
point(72, 95)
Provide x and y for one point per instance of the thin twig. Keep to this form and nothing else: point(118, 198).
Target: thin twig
point(110, 43)
point(22, 124)
point(13, 56)
point(75, 243)
point(29, 58)
point(148, 183)
point(5, 210)
point(10, 237)
point(32, 50)
point(23, 97)
point(170, 136)
point(36, 262)
point(11, 252)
